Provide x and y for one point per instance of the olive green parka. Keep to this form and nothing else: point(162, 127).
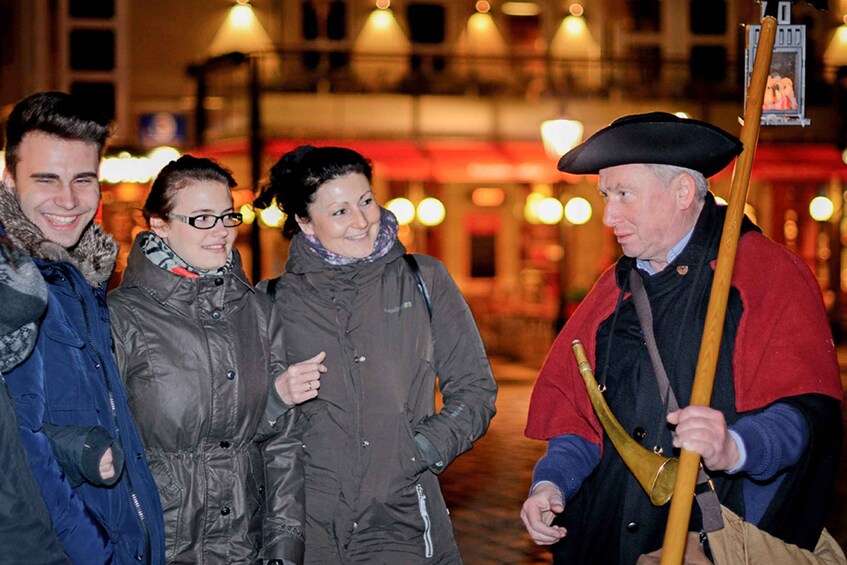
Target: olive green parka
point(371, 495)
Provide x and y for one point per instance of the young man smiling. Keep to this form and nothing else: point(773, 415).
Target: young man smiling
point(70, 382)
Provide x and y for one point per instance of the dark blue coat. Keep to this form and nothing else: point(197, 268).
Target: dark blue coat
point(71, 379)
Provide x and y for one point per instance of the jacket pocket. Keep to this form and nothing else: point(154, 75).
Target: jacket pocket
point(173, 506)
point(427, 522)
point(411, 461)
point(66, 368)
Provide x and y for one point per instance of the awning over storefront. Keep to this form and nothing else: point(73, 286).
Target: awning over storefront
point(798, 163)
point(475, 161)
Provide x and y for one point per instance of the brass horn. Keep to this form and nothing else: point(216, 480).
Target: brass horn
point(655, 474)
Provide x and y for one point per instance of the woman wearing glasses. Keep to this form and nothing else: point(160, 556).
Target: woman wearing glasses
point(193, 344)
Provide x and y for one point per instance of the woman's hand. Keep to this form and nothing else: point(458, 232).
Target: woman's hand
point(301, 381)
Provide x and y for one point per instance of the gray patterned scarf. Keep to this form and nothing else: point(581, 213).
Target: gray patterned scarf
point(23, 294)
point(160, 254)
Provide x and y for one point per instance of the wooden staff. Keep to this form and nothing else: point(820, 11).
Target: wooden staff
point(676, 531)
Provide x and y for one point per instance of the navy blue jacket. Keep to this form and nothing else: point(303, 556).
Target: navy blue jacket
point(71, 379)
point(26, 531)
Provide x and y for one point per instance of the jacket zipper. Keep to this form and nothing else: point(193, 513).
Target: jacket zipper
point(427, 535)
point(113, 407)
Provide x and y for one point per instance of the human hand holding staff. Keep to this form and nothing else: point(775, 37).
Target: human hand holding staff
point(689, 462)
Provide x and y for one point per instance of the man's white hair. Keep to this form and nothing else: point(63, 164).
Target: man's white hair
point(666, 173)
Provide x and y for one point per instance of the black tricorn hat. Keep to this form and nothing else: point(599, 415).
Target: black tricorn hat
point(658, 137)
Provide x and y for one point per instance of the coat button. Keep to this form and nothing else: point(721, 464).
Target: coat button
point(224, 444)
point(216, 314)
point(219, 281)
point(230, 375)
point(632, 527)
point(365, 443)
point(639, 433)
point(360, 359)
point(224, 510)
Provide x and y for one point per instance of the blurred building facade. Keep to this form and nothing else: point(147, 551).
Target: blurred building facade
point(447, 99)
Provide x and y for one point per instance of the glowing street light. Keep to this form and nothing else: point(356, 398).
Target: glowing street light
point(578, 211)
point(549, 210)
point(431, 212)
point(403, 210)
point(560, 136)
point(821, 208)
point(248, 214)
point(272, 216)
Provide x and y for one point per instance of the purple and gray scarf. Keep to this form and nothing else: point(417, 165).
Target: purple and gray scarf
point(384, 242)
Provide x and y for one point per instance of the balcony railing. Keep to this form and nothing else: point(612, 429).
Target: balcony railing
point(224, 82)
point(437, 71)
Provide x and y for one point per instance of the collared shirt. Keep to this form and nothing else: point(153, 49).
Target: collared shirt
point(673, 253)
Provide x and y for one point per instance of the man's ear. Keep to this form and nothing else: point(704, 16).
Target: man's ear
point(8, 180)
point(159, 227)
point(305, 225)
point(686, 191)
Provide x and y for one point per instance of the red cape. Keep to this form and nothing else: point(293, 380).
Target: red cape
point(784, 345)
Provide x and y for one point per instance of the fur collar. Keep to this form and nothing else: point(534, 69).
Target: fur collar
point(94, 254)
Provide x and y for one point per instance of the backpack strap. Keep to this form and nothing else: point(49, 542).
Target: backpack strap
point(271, 290)
point(416, 273)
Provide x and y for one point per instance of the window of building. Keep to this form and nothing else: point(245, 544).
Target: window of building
point(524, 32)
point(646, 63)
point(100, 95)
point(336, 30)
point(708, 17)
point(331, 24)
point(336, 21)
point(90, 32)
point(426, 23)
point(308, 20)
point(8, 52)
point(92, 50)
point(426, 26)
point(708, 63)
point(93, 9)
point(483, 253)
point(646, 15)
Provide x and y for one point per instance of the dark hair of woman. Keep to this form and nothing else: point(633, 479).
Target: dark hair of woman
point(175, 176)
point(298, 175)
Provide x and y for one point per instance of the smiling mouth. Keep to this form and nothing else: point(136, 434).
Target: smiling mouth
point(60, 221)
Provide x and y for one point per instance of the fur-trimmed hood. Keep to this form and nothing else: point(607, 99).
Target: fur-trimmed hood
point(94, 254)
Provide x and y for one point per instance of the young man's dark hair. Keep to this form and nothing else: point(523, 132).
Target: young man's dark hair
point(55, 113)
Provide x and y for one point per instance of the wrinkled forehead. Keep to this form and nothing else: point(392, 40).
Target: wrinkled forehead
point(629, 174)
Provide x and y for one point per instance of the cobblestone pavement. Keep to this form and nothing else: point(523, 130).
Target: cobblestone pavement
point(486, 486)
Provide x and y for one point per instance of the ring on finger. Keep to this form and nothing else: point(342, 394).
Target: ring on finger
point(310, 385)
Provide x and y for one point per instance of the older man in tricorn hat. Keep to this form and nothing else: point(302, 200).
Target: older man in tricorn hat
point(775, 412)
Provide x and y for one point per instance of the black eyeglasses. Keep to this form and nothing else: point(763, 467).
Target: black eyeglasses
point(208, 221)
